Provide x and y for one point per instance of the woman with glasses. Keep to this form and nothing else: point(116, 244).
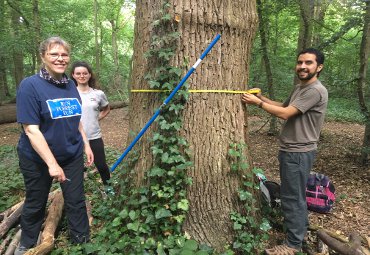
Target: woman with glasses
point(95, 107)
point(51, 145)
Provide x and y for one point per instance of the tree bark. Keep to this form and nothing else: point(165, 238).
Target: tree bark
point(9, 211)
point(211, 121)
point(361, 83)
point(14, 243)
point(9, 222)
point(266, 60)
point(306, 26)
point(17, 50)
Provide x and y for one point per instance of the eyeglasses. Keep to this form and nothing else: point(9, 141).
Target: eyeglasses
point(55, 56)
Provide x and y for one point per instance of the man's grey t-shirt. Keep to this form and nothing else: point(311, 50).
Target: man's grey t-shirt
point(301, 132)
point(92, 102)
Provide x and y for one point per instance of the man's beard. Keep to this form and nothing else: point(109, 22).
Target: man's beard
point(306, 78)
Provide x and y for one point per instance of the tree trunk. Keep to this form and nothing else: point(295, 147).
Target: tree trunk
point(17, 49)
point(211, 120)
point(306, 26)
point(265, 55)
point(4, 91)
point(37, 35)
point(361, 83)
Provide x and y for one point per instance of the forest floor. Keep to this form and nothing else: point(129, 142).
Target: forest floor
point(338, 154)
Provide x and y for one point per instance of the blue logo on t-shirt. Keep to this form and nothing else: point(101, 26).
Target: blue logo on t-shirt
point(64, 107)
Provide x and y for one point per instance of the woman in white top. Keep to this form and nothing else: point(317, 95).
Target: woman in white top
point(95, 107)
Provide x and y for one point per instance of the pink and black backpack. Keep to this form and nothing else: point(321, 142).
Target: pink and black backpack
point(320, 193)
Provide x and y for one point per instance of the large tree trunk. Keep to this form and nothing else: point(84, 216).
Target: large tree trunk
point(211, 120)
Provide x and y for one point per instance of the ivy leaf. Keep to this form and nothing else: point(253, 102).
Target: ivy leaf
point(162, 213)
point(244, 195)
point(116, 222)
point(132, 215)
point(191, 245)
point(156, 171)
point(183, 204)
point(133, 226)
point(165, 157)
point(237, 226)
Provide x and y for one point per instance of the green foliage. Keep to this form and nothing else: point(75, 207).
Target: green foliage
point(251, 231)
point(11, 182)
point(344, 110)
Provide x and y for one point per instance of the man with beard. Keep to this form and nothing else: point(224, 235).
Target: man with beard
point(304, 113)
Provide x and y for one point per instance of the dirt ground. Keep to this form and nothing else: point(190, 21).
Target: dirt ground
point(339, 149)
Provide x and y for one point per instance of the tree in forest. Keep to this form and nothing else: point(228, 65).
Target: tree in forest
point(168, 38)
point(261, 10)
point(362, 88)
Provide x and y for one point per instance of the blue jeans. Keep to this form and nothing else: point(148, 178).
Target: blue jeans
point(294, 170)
point(38, 182)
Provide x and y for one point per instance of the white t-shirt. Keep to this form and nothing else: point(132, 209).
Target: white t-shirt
point(92, 103)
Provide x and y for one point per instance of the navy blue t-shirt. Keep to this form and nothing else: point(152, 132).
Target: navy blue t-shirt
point(57, 111)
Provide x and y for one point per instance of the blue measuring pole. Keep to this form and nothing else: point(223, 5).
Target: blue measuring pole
point(166, 101)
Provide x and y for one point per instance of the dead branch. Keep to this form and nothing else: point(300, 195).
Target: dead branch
point(339, 237)
point(14, 243)
point(54, 215)
point(89, 212)
point(9, 222)
point(5, 243)
point(9, 211)
point(353, 247)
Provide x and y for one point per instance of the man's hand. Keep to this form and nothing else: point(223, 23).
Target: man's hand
point(250, 99)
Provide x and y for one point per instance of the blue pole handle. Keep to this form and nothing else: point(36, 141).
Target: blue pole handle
point(166, 101)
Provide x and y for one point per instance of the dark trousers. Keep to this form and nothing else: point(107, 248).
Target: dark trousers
point(97, 147)
point(38, 182)
point(294, 170)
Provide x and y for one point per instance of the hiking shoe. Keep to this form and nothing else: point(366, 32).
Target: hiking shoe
point(109, 191)
point(281, 250)
point(20, 250)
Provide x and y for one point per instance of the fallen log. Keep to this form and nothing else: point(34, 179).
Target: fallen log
point(14, 243)
point(330, 233)
point(4, 243)
point(8, 111)
point(352, 247)
point(89, 212)
point(9, 211)
point(51, 223)
point(10, 221)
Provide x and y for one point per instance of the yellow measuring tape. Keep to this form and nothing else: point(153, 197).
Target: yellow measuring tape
point(250, 91)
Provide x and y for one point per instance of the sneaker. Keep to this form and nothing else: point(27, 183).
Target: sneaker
point(281, 250)
point(109, 191)
point(20, 250)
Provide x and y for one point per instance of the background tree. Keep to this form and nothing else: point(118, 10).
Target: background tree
point(262, 9)
point(363, 87)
